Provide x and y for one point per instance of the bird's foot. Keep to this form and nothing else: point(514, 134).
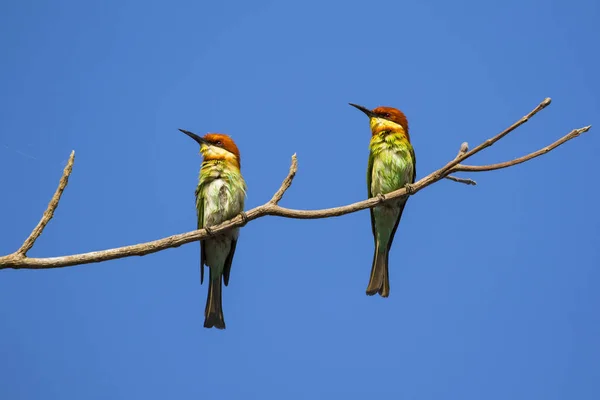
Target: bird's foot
point(381, 197)
point(209, 231)
point(244, 218)
point(410, 189)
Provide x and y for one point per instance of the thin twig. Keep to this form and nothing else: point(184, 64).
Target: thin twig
point(479, 168)
point(287, 182)
point(499, 136)
point(19, 260)
point(466, 181)
point(49, 213)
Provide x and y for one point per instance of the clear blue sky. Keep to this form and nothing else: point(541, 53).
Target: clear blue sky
point(494, 288)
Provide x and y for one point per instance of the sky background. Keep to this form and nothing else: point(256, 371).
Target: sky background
point(494, 288)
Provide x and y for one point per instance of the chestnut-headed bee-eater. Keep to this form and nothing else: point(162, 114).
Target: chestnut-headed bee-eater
point(392, 165)
point(220, 195)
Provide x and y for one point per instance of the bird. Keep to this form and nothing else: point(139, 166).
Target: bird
point(220, 196)
point(391, 166)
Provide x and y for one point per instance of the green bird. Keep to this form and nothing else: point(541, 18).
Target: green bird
point(392, 165)
point(220, 196)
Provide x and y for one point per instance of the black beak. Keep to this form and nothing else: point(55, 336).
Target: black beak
point(197, 138)
point(365, 110)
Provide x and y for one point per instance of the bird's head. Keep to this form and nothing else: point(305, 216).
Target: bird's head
point(385, 119)
point(216, 146)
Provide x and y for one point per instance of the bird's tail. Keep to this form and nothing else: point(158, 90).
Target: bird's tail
point(213, 313)
point(379, 282)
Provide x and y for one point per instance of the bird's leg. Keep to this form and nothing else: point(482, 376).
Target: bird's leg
point(381, 197)
point(209, 231)
point(409, 188)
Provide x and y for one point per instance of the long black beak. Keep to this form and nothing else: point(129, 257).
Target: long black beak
point(197, 138)
point(364, 109)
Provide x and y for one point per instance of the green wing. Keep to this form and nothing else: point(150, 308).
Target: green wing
point(414, 162)
point(228, 262)
point(369, 177)
point(200, 214)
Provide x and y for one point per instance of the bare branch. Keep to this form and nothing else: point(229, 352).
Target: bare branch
point(479, 168)
point(49, 213)
point(287, 182)
point(20, 260)
point(499, 136)
point(466, 181)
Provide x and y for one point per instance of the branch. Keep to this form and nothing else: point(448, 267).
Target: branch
point(479, 168)
point(49, 213)
point(466, 181)
point(499, 136)
point(287, 182)
point(19, 259)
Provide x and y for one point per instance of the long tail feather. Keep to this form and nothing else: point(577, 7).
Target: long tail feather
point(213, 313)
point(379, 282)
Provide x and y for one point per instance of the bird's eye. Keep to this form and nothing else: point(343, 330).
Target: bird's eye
point(386, 115)
point(219, 143)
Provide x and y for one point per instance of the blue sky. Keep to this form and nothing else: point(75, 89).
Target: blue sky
point(494, 288)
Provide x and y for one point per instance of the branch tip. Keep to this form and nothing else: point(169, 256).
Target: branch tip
point(49, 213)
point(464, 147)
point(287, 182)
point(466, 181)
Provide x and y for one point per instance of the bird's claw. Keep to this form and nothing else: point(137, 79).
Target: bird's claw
point(381, 197)
point(209, 231)
point(244, 218)
point(409, 188)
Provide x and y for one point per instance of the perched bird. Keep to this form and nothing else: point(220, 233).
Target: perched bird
point(220, 196)
point(392, 165)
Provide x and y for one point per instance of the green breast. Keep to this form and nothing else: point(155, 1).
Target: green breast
point(392, 164)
